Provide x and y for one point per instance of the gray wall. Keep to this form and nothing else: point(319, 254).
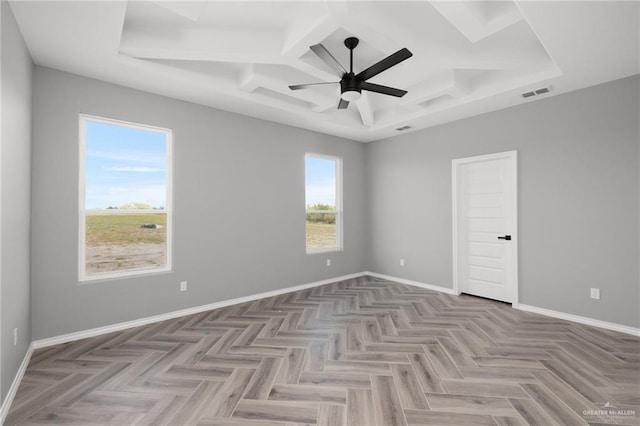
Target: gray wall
point(578, 208)
point(15, 203)
point(578, 198)
point(239, 225)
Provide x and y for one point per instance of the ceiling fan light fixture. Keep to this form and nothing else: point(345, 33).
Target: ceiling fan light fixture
point(350, 95)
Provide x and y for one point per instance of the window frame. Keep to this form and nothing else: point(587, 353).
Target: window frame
point(339, 209)
point(168, 208)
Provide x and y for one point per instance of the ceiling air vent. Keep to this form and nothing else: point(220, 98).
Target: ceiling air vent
point(536, 92)
point(403, 128)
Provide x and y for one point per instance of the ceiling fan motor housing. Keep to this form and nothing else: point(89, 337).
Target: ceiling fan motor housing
point(350, 83)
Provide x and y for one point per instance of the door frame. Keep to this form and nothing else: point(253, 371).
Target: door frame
point(456, 164)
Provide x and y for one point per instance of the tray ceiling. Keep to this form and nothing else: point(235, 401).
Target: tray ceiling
point(468, 57)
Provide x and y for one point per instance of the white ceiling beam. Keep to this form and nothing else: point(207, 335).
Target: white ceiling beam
point(449, 82)
point(247, 80)
point(302, 36)
point(515, 51)
point(255, 76)
point(304, 33)
point(187, 9)
point(326, 106)
point(479, 19)
point(366, 109)
point(203, 45)
point(368, 32)
point(299, 37)
point(316, 75)
point(485, 55)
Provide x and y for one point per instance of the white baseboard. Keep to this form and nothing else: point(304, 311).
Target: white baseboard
point(542, 311)
point(582, 320)
point(8, 400)
point(413, 283)
point(41, 343)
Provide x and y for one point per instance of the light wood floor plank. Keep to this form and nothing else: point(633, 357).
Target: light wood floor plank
point(163, 412)
point(276, 411)
point(441, 418)
point(552, 406)
point(386, 402)
point(48, 396)
point(508, 421)
point(226, 400)
point(308, 393)
point(470, 404)
point(263, 379)
point(196, 404)
point(408, 388)
point(331, 415)
point(531, 412)
point(484, 388)
point(360, 407)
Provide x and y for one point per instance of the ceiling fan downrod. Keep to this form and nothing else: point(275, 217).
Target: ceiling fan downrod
point(350, 86)
point(351, 44)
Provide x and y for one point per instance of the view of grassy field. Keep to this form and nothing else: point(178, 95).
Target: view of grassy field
point(124, 229)
point(321, 236)
point(117, 242)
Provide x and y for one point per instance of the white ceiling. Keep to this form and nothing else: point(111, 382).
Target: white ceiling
point(469, 57)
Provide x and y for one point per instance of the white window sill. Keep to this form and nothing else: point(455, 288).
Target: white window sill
point(123, 275)
point(324, 251)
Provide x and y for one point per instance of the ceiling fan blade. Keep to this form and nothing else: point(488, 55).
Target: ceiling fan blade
point(304, 86)
point(328, 58)
point(385, 64)
point(343, 104)
point(385, 90)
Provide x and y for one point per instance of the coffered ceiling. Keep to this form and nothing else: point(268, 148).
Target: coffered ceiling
point(468, 57)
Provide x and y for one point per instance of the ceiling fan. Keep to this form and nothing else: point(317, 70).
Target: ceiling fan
point(352, 85)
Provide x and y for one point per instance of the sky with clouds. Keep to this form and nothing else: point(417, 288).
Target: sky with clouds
point(124, 165)
point(127, 165)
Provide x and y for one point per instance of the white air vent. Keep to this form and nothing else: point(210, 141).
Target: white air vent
point(403, 128)
point(536, 92)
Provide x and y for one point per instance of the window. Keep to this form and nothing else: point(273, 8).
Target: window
point(323, 197)
point(125, 199)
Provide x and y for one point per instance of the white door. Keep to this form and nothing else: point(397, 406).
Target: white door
point(485, 220)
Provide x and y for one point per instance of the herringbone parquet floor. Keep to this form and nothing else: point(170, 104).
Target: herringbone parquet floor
point(357, 352)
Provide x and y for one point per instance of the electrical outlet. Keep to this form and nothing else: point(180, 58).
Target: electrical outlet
point(328, 262)
point(595, 293)
point(183, 286)
point(15, 337)
point(401, 262)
